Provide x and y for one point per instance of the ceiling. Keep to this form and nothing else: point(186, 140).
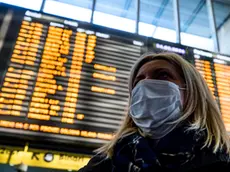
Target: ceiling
point(193, 13)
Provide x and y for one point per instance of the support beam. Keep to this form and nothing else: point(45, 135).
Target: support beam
point(158, 15)
point(138, 16)
point(212, 24)
point(226, 2)
point(223, 22)
point(160, 12)
point(93, 9)
point(192, 17)
point(43, 5)
point(177, 19)
point(126, 7)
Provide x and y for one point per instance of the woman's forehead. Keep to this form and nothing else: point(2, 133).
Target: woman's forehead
point(156, 64)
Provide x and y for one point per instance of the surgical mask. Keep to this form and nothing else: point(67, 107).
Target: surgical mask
point(155, 106)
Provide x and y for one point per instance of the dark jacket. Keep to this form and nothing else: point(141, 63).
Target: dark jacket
point(179, 151)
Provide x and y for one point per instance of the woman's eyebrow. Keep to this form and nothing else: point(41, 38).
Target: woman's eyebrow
point(162, 68)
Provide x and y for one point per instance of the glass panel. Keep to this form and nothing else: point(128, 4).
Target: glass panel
point(33, 5)
point(146, 29)
point(118, 14)
point(222, 16)
point(156, 19)
point(77, 9)
point(165, 34)
point(197, 41)
point(195, 24)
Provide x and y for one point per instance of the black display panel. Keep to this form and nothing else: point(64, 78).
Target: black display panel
point(65, 79)
point(158, 46)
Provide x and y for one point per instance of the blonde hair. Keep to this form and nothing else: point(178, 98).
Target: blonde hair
point(200, 107)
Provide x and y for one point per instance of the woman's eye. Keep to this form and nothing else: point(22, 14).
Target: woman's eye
point(163, 76)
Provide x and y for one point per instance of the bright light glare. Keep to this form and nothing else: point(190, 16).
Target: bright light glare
point(146, 29)
point(115, 22)
point(165, 34)
point(170, 35)
point(66, 10)
point(197, 41)
point(157, 32)
point(30, 4)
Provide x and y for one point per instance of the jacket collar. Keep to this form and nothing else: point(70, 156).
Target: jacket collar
point(177, 149)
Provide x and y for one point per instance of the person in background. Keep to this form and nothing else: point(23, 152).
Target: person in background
point(173, 122)
point(21, 167)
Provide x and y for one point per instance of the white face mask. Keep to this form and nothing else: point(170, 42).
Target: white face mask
point(155, 104)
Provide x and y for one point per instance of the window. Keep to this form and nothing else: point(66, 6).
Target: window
point(146, 29)
point(157, 20)
point(117, 14)
point(165, 34)
point(196, 41)
point(77, 9)
point(30, 4)
point(222, 16)
point(194, 24)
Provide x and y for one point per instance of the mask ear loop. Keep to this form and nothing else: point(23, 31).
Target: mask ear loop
point(182, 88)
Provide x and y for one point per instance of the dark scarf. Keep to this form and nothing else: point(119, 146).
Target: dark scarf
point(175, 151)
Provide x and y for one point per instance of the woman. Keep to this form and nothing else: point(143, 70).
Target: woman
point(173, 123)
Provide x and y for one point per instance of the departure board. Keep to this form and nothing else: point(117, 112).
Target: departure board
point(68, 80)
point(215, 70)
point(64, 79)
point(222, 71)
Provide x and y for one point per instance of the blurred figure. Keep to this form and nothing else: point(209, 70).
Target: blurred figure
point(21, 167)
point(173, 122)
